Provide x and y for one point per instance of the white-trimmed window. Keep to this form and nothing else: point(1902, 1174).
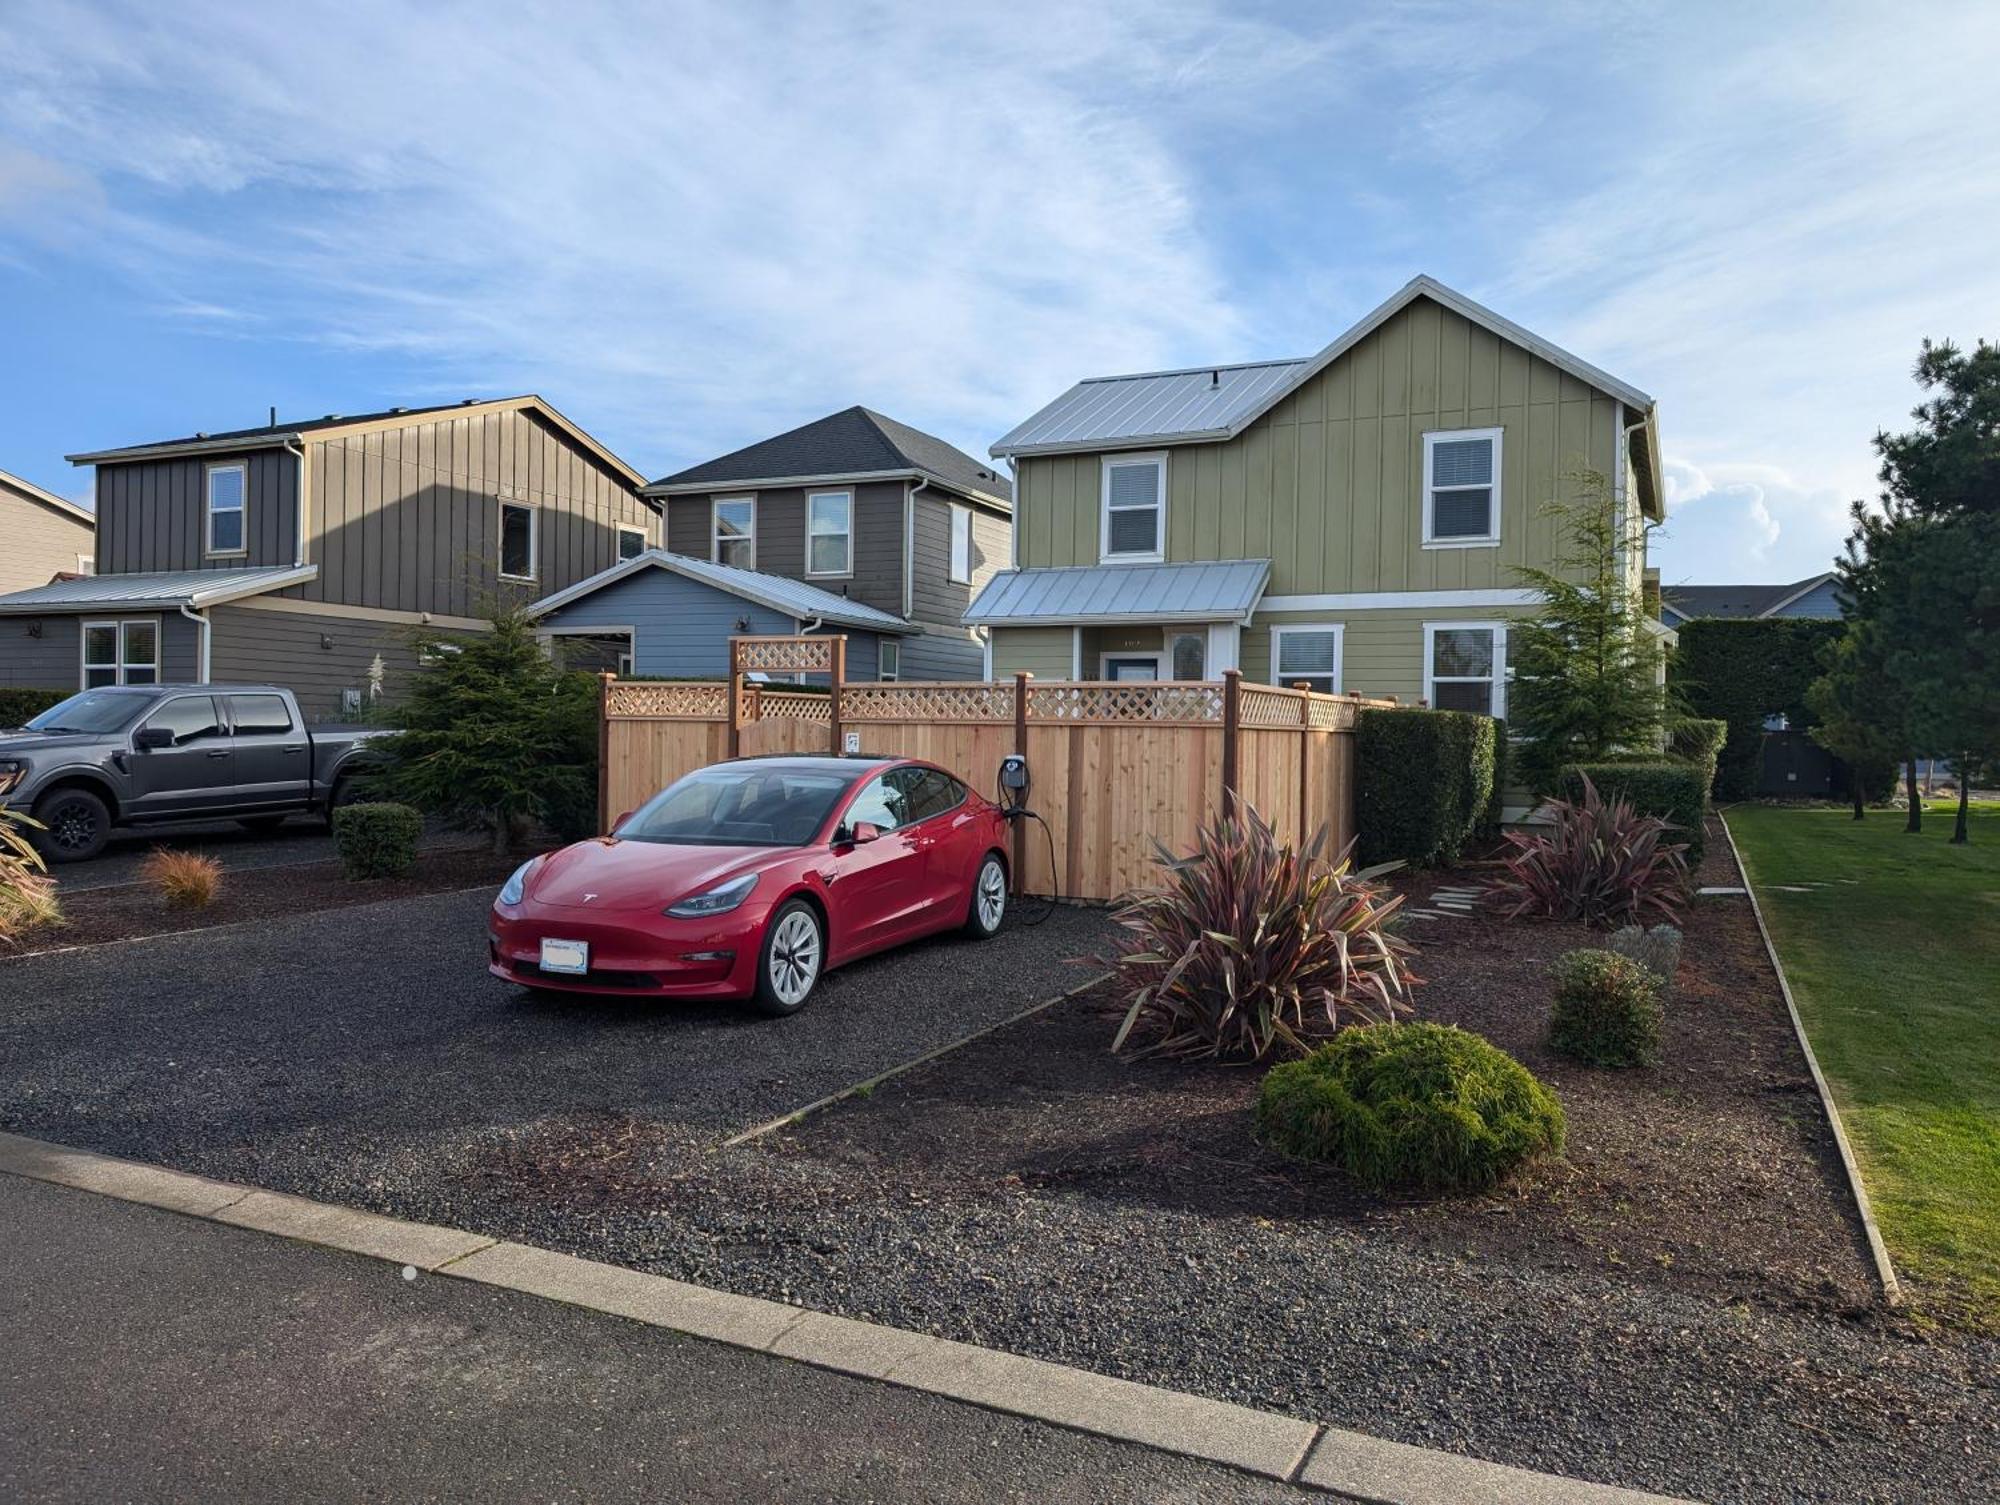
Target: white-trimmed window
point(1462, 488)
point(1465, 666)
point(227, 488)
point(1187, 655)
point(889, 660)
point(1308, 653)
point(121, 653)
point(829, 533)
point(961, 545)
point(733, 531)
point(517, 541)
point(1135, 509)
point(631, 542)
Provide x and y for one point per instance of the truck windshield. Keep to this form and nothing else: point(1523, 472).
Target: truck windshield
point(740, 805)
point(92, 711)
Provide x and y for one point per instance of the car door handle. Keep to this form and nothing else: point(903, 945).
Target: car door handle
point(218, 752)
point(295, 749)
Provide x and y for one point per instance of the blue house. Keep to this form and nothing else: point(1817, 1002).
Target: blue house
point(669, 616)
point(1815, 596)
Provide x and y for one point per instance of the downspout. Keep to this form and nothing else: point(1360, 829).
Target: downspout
point(910, 542)
point(206, 629)
point(298, 452)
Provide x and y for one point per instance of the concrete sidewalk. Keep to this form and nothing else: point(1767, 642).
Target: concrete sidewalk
point(150, 1356)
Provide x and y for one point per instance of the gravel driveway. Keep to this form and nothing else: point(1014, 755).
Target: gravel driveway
point(300, 839)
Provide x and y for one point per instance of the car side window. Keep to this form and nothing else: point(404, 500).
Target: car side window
point(883, 802)
point(930, 792)
point(259, 715)
point(188, 717)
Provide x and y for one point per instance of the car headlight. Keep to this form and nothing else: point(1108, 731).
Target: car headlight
point(12, 772)
point(718, 900)
point(516, 887)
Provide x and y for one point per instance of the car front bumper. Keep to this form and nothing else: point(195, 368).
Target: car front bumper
point(631, 953)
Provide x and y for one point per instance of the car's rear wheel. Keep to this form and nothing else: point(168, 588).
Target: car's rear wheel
point(75, 824)
point(989, 898)
point(793, 955)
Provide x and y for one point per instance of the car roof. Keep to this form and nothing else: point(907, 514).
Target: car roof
point(817, 763)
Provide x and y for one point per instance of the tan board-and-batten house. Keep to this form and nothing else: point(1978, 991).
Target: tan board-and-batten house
point(1350, 520)
point(42, 536)
point(304, 554)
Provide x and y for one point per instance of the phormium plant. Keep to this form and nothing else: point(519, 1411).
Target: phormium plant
point(1250, 944)
point(1600, 861)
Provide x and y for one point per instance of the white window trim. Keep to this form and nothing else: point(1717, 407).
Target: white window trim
point(840, 574)
point(208, 475)
point(889, 674)
point(645, 539)
point(959, 514)
point(1497, 704)
point(1172, 631)
point(534, 540)
point(1158, 656)
point(1488, 540)
point(86, 564)
point(120, 664)
point(715, 536)
point(1339, 631)
point(1157, 458)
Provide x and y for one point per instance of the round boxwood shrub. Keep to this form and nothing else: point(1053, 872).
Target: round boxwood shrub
point(1423, 1107)
point(1607, 1009)
point(376, 840)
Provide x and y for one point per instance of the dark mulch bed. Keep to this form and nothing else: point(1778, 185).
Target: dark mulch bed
point(1683, 1303)
point(136, 909)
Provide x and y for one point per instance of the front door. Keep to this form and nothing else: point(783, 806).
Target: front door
point(1124, 666)
point(878, 887)
point(192, 775)
point(273, 755)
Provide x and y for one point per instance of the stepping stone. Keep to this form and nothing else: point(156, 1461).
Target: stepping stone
point(1720, 893)
point(1793, 888)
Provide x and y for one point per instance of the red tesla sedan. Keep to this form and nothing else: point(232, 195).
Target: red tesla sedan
point(749, 879)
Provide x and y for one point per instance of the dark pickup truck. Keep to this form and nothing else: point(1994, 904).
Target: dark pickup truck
point(138, 754)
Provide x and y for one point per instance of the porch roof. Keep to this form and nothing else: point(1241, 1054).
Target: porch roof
point(1224, 590)
point(158, 590)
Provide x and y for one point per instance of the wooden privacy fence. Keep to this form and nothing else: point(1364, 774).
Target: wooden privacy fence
point(1114, 765)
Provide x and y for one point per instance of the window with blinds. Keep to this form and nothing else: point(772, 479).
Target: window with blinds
point(1462, 488)
point(1135, 508)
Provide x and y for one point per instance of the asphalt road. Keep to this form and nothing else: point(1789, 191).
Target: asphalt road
point(150, 1356)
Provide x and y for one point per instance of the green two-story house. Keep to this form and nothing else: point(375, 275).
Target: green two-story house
point(1351, 520)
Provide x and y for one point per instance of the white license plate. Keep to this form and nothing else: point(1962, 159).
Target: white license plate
point(566, 956)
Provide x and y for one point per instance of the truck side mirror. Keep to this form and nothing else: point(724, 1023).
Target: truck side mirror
point(152, 736)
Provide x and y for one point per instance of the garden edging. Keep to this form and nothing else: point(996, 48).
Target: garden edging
point(1885, 1270)
point(1258, 1442)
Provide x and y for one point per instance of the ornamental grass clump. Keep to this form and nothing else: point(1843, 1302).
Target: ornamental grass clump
point(27, 893)
point(187, 879)
point(1250, 946)
point(1599, 861)
point(1657, 950)
point(1412, 1107)
point(1606, 1011)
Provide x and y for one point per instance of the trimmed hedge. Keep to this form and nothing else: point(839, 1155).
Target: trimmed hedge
point(1674, 790)
point(1742, 671)
point(1699, 740)
point(20, 706)
point(1427, 1107)
point(377, 840)
point(1607, 1009)
point(1423, 783)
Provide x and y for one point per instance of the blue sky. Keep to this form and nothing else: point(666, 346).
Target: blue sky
point(689, 227)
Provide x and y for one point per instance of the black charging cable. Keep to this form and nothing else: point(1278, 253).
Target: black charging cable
point(1013, 813)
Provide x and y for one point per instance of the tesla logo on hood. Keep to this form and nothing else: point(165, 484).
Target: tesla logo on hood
point(588, 897)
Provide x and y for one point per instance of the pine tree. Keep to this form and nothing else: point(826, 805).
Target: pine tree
point(1587, 667)
point(1861, 711)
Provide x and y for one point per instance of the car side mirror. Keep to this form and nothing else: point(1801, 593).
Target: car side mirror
point(621, 820)
point(864, 832)
point(153, 736)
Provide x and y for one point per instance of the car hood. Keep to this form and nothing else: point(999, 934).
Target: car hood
point(609, 875)
point(20, 743)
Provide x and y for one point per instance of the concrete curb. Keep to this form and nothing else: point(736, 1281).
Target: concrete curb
point(797, 1114)
point(1257, 1442)
point(1885, 1271)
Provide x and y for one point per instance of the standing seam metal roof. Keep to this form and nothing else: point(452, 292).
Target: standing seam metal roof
point(156, 589)
point(779, 592)
point(1216, 591)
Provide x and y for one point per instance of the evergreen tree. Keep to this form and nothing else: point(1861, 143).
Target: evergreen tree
point(494, 735)
point(1587, 667)
point(1860, 711)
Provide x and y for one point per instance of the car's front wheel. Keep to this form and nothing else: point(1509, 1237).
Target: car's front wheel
point(793, 956)
point(75, 825)
point(989, 898)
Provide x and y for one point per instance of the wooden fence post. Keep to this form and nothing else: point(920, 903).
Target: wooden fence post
point(604, 752)
point(1021, 678)
point(1305, 760)
point(833, 696)
point(1232, 730)
point(733, 744)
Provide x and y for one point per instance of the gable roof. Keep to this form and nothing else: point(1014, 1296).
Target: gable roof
point(155, 590)
point(792, 597)
point(339, 425)
point(1690, 601)
point(854, 444)
point(29, 491)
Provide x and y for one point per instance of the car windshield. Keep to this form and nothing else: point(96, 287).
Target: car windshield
point(741, 805)
point(92, 711)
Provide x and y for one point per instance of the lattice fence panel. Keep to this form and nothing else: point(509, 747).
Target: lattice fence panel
point(784, 655)
point(1125, 702)
point(777, 705)
point(1330, 713)
point(643, 698)
point(1265, 707)
point(927, 702)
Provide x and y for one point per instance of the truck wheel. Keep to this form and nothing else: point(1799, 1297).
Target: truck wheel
point(75, 825)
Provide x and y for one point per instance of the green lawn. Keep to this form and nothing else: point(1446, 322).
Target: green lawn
point(1896, 968)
